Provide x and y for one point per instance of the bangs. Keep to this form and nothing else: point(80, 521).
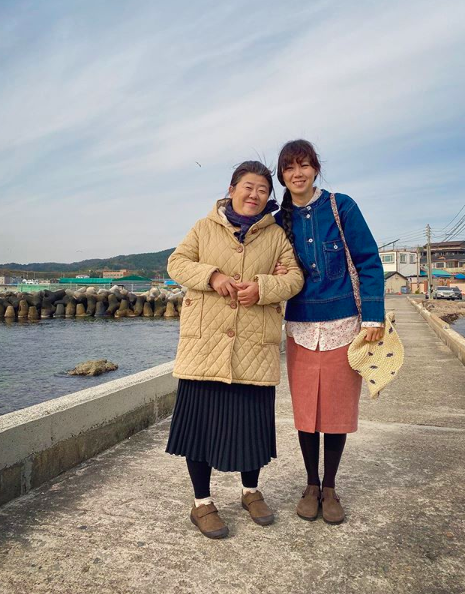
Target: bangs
point(294, 151)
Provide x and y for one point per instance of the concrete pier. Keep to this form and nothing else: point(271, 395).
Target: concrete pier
point(119, 522)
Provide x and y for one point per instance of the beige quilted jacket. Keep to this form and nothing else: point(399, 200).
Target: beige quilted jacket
point(225, 341)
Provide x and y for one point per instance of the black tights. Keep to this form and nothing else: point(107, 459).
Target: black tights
point(333, 447)
point(200, 473)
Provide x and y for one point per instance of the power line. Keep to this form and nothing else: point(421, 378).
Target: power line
point(453, 218)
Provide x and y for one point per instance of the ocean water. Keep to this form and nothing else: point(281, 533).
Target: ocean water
point(459, 326)
point(34, 357)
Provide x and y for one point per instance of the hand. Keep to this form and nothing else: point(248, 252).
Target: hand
point(248, 293)
point(374, 334)
point(280, 269)
point(224, 285)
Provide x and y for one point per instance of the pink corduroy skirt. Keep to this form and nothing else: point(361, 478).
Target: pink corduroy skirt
point(325, 390)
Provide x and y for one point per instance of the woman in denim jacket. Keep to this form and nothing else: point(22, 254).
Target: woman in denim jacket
point(322, 320)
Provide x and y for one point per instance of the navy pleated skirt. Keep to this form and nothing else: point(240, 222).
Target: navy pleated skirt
point(229, 426)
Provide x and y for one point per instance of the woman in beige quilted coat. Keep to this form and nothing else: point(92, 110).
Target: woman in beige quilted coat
point(228, 357)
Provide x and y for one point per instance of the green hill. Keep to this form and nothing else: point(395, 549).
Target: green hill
point(150, 264)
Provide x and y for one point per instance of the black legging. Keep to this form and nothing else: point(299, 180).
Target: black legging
point(200, 473)
point(333, 447)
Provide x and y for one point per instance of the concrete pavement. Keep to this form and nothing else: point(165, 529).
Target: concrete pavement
point(119, 523)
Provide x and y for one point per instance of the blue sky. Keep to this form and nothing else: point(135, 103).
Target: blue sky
point(106, 107)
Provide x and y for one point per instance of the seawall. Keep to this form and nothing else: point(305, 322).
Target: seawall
point(450, 337)
point(42, 441)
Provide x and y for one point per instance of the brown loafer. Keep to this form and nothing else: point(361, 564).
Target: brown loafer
point(208, 521)
point(333, 512)
point(259, 511)
point(307, 508)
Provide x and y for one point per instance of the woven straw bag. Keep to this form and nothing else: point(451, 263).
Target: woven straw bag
point(377, 362)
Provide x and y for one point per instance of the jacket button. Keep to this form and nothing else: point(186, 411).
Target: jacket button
point(254, 230)
point(278, 309)
point(240, 249)
point(232, 304)
point(187, 301)
point(314, 265)
point(237, 277)
point(310, 240)
point(231, 333)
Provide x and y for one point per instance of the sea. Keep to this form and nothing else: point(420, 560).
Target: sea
point(35, 356)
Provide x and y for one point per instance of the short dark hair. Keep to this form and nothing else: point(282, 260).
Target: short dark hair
point(252, 167)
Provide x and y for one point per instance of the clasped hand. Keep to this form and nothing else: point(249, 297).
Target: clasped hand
point(246, 293)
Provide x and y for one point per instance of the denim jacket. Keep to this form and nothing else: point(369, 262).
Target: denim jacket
point(327, 293)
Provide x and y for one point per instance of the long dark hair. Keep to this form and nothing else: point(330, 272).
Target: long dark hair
point(252, 167)
point(295, 150)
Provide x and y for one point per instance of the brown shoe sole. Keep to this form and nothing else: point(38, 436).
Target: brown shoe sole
point(265, 521)
point(221, 533)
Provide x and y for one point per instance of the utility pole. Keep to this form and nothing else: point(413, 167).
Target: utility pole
point(418, 268)
point(428, 258)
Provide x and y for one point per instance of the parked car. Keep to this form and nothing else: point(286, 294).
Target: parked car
point(458, 293)
point(444, 293)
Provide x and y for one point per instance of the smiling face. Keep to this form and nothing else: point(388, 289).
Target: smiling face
point(250, 194)
point(299, 177)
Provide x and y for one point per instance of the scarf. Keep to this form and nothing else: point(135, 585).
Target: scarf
point(245, 222)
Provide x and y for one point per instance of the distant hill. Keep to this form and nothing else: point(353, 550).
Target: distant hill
point(149, 264)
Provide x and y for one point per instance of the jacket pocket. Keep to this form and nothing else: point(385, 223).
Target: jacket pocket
point(335, 258)
point(272, 324)
point(191, 316)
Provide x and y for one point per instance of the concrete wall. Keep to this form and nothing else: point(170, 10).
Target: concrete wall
point(450, 337)
point(42, 441)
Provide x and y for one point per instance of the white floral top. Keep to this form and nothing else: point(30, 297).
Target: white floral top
point(326, 335)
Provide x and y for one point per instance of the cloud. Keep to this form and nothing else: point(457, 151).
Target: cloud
point(105, 112)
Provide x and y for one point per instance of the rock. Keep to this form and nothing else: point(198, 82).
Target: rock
point(2, 309)
point(132, 298)
point(93, 367)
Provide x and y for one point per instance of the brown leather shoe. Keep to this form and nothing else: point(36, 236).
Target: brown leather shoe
point(307, 508)
point(259, 511)
point(333, 513)
point(208, 521)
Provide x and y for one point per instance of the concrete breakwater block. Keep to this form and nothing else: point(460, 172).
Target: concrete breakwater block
point(88, 302)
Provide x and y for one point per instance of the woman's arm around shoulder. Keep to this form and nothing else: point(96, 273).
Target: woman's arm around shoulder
point(184, 266)
point(276, 288)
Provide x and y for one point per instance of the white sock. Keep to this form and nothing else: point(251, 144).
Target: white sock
point(246, 490)
point(204, 501)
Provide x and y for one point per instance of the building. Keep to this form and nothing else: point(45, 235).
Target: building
point(116, 273)
point(402, 261)
point(447, 255)
point(5, 280)
point(394, 282)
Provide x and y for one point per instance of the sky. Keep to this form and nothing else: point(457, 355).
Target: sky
point(106, 106)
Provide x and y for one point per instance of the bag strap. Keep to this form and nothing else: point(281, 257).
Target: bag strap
point(350, 264)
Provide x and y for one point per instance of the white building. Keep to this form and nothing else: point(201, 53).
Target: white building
point(401, 261)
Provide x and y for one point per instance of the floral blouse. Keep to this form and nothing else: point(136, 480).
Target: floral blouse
point(326, 335)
